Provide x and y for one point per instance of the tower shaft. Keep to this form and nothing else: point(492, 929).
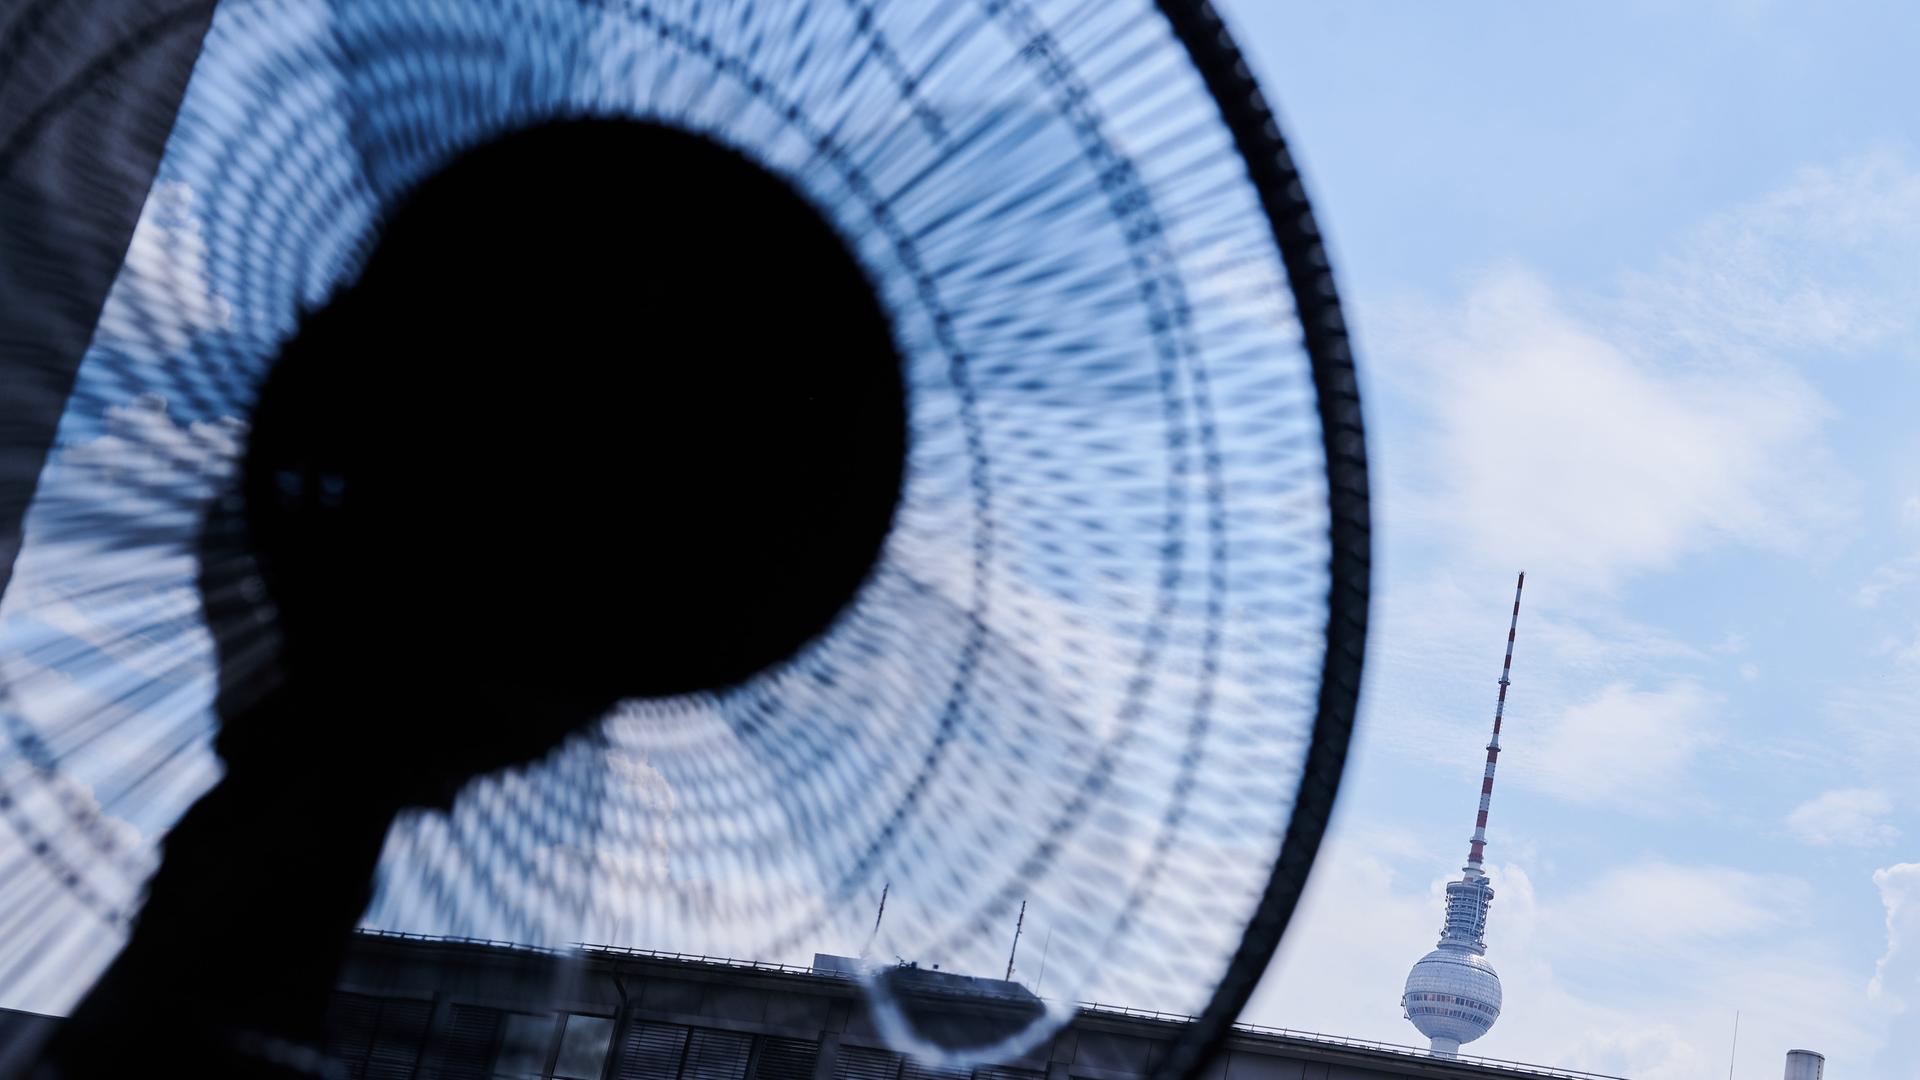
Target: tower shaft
point(1476, 851)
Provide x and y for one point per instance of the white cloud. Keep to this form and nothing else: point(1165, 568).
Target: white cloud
point(1561, 441)
point(1658, 903)
point(1895, 985)
point(1853, 817)
point(1611, 432)
point(1821, 264)
point(1888, 577)
point(1898, 971)
point(1623, 745)
point(1868, 724)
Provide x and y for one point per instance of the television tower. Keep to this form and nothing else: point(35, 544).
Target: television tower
point(1453, 994)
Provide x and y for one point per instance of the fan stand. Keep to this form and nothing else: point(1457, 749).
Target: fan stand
point(611, 412)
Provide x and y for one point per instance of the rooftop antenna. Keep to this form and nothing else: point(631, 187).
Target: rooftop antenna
point(1479, 845)
point(1735, 1052)
point(1022, 921)
point(1045, 947)
point(877, 916)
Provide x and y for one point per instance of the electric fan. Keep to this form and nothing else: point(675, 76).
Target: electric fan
point(662, 474)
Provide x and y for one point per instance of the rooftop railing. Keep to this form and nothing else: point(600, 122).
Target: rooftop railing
point(1342, 1040)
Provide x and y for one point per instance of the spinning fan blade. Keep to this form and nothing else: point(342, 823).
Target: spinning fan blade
point(932, 424)
point(74, 172)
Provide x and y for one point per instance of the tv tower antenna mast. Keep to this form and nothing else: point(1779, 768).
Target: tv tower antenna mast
point(1453, 994)
point(1478, 847)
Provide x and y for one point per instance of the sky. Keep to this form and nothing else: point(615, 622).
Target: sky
point(1632, 288)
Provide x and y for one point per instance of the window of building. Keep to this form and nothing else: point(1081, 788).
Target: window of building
point(786, 1059)
point(375, 1037)
point(524, 1045)
point(652, 1050)
point(919, 1070)
point(583, 1048)
point(716, 1055)
point(861, 1063)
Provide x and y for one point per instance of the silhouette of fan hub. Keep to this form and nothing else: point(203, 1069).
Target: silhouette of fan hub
point(611, 412)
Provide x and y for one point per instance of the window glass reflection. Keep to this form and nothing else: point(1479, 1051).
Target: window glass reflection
point(583, 1048)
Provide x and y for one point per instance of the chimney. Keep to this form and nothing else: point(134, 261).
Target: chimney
point(1805, 1065)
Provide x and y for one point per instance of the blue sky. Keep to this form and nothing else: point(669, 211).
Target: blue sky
point(1633, 288)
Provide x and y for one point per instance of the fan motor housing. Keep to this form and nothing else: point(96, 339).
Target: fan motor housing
point(611, 412)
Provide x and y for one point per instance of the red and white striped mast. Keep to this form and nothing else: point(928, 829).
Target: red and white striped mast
point(1479, 846)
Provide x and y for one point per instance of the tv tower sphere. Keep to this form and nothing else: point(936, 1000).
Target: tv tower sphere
point(1453, 994)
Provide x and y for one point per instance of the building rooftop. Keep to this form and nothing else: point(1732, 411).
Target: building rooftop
point(412, 1005)
point(1356, 1057)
